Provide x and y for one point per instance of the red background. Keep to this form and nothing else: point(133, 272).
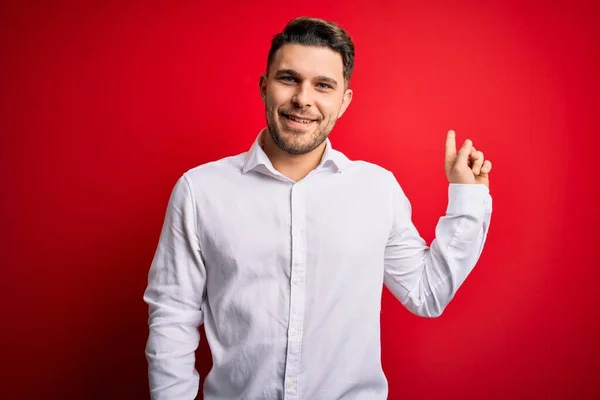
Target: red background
point(104, 105)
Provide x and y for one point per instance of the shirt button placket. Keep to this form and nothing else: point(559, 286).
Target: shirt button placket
point(297, 295)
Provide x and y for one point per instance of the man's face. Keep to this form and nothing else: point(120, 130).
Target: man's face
point(304, 94)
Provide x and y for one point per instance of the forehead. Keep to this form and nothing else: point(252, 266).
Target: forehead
point(308, 60)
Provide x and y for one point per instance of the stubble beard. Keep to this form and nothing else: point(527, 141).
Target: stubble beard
point(288, 142)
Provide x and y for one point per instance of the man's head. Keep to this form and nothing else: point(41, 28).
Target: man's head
point(305, 88)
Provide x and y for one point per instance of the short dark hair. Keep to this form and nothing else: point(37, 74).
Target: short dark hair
point(316, 32)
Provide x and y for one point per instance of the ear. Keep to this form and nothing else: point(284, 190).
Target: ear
point(262, 84)
point(345, 102)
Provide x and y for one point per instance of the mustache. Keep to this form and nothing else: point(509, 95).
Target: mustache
point(300, 113)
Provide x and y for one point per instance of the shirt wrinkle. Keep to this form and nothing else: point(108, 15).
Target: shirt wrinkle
point(287, 277)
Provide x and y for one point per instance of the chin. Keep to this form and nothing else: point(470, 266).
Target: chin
point(294, 143)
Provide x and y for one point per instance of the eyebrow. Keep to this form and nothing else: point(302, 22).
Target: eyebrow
point(295, 74)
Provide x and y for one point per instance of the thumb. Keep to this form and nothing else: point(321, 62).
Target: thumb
point(464, 152)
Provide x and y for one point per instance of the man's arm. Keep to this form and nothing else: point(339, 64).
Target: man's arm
point(175, 291)
point(424, 279)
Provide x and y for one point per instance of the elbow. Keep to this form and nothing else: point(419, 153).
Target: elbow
point(427, 311)
point(425, 300)
point(430, 306)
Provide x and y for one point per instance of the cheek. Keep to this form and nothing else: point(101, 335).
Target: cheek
point(271, 105)
point(276, 96)
point(329, 108)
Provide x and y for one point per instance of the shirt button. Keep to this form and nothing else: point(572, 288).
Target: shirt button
point(297, 282)
point(292, 384)
point(295, 332)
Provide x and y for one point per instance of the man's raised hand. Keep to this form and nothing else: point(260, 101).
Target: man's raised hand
point(468, 165)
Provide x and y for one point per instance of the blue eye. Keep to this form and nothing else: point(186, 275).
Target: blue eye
point(287, 79)
point(324, 86)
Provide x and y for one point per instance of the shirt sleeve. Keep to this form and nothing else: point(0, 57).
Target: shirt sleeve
point(424, 279)
point(175, 291)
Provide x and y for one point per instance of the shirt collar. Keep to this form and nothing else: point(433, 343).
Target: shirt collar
point(256, 157)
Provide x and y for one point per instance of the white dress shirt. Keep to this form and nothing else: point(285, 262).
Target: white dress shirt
point(287, 276)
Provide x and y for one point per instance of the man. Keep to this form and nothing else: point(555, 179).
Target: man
point(282, 251)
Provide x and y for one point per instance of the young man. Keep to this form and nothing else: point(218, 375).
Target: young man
point(282, 251)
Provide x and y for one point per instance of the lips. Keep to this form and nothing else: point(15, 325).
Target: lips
point(299, 118)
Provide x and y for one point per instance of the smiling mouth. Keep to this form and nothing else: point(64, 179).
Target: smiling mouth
point(298, 119)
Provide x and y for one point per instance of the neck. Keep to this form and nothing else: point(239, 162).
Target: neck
point(293, 166)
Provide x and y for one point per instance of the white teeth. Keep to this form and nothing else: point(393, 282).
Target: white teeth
point(304, 121)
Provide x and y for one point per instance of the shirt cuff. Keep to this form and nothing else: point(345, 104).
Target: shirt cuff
point(469, 199)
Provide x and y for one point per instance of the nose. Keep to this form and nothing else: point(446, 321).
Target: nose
point(302, 96)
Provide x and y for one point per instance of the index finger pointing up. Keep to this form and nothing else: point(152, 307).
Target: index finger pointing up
point(451, 144)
